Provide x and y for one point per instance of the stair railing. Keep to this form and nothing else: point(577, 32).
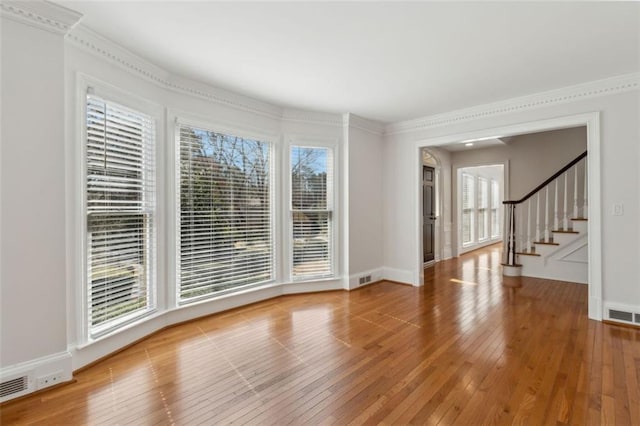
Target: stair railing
point(548, 208)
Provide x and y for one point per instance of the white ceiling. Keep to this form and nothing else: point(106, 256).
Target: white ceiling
point(384, 61)
point(476, 144)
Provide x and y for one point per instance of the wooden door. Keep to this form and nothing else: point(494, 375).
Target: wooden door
point(428, 212)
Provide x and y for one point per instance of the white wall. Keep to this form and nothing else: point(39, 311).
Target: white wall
point(33, 305)
point(618, 102)
point(365, 202)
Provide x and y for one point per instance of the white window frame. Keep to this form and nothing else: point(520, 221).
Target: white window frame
point(496, 233)
point(473, 215)
point(179, 118)
point(305, 142)
point(485, 225)
point(77, 222)
point(461, 170)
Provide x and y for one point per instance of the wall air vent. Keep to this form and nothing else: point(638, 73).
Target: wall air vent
point(638, 318)
point(621, 315)
point(15, 387)
point(364, 280)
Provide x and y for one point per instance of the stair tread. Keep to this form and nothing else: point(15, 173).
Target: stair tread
point(506, 264)
point(565, 231)
point(524, 253)
point(580, 218)
point(546, 243)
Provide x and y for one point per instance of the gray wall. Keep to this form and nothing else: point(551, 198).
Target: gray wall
point(532, 158)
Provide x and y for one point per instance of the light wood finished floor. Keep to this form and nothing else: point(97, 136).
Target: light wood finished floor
point(464, 349)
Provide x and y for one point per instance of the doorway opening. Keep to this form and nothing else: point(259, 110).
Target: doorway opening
point(501, 135)
point(431, 208)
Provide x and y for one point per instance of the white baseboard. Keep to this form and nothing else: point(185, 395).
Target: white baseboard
point(373, 274)
point(621, 308)
point(57, 365)
point(312, 287)
point(463, 250)
point(399, 275)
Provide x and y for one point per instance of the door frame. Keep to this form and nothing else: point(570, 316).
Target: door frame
point(436, 214)
point(591, 121)
point(439, 229)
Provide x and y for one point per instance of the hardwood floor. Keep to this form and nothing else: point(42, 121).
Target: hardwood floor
point(464, 349)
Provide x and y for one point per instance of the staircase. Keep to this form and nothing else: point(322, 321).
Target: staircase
point(546, 230)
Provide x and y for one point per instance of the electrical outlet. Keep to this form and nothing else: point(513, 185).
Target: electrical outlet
point(618, 209)
point(49, 380)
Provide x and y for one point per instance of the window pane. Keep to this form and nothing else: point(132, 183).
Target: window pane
point(117, 260)
point(311, 211)
point(225, 213)
point(483, 204)
point(311, 243)
point(120, 191)
point(468, 208)
point(495, 212)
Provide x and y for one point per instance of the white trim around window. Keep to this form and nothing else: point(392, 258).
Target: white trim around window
point(144, 276)
point(319, 261)
point(220, 263)
point(476, 223)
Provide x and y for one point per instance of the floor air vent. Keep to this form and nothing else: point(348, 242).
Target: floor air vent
point(621, 315)
point(14, 387)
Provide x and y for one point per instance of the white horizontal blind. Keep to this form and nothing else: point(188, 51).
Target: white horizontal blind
point(495, 212)
point(120, 197)
point(311, 212)
point(468, 208)
point(226, 238)
point(483, 206)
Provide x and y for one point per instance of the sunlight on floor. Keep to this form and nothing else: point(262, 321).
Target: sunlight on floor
point(453, 280)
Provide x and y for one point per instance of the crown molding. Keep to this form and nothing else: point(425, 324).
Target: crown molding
point(593, 89)
point(366, 125)
point(311, 117)
point(100, 46)
point(41, 14)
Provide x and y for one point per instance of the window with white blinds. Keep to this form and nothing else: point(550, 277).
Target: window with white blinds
point(483, 209)
point(468, 208)
point(495, 212)
point(225, 213)
point(120, 207)
point(311, 212)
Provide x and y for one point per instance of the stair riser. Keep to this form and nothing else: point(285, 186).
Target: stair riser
point(563, 239)
point(580, 225)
